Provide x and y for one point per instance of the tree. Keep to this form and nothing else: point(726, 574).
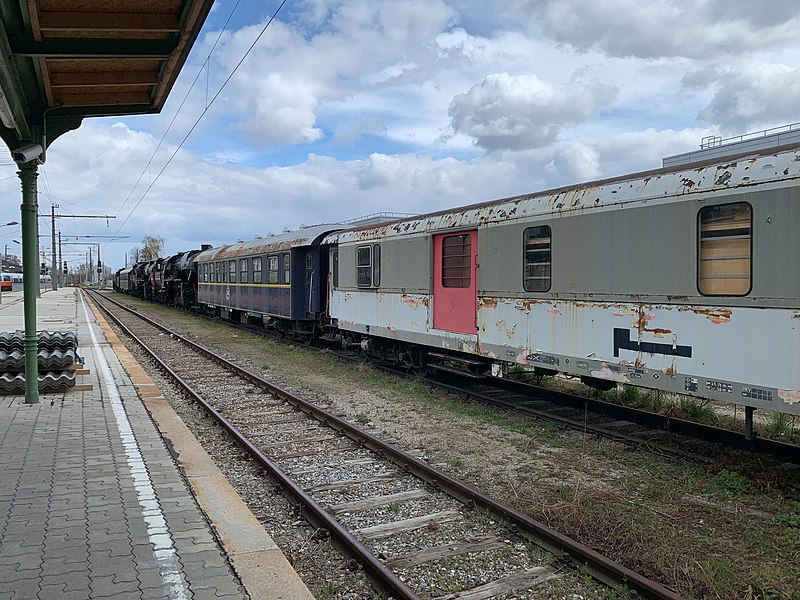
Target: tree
point(135, 255)
point(151, 247)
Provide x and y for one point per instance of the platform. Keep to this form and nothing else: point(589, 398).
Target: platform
point(93, 505)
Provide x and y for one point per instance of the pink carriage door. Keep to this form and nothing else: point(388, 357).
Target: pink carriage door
point(455, 286)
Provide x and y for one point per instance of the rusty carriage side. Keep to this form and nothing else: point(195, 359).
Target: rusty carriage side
point(277, 281)
point(683, 279)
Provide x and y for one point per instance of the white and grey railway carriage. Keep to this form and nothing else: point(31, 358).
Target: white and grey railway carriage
point(684, 279)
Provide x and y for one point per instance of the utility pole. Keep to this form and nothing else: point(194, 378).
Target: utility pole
point(60, 278)
point(99, 268)
point(53, 275)
point(91, 268)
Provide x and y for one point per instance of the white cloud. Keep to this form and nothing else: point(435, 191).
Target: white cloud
point(518, 112)
point(754, 96)
point(665, 28)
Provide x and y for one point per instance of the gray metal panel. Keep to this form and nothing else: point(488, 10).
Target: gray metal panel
point(648, 252)
point(406, 265)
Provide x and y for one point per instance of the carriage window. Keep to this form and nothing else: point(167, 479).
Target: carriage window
point(286, 270)
point(536, 271)
point(257, 270)
point(272, 269)
point(204, 271)
point(243, 270)
point(364, 266)
point(376, 265)
point(232, 271)
point(217, 268)
point(309, 261)
point(335, 269)
point(456, 258)
point(725, 267)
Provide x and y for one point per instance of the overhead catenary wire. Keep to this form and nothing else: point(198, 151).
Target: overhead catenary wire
point(207, 67)
point(205, 110)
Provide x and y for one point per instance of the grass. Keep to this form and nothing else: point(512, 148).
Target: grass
point(696, 410)
point(780, 426)
point(455, 462)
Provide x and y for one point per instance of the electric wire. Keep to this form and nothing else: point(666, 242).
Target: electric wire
point(207, 67)
point(205, 110)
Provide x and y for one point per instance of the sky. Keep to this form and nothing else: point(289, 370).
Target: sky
point(345, 108)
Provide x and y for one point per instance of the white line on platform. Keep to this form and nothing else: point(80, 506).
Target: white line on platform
point(163, 546)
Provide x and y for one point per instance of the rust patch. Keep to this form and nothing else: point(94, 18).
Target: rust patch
point(642, 327)
point(687, 182)
point(640, 364)
point(789, 396)
point(524, 304)
point(717, 316)
point(669, 370)
point(413, 302)
point(487, 303)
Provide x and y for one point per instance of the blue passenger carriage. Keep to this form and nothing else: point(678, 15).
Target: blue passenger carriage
point(278, 281)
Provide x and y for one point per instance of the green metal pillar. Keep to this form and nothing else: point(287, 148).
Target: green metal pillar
point(30, 280)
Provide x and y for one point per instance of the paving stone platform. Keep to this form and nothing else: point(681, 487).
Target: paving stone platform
point(93, 505)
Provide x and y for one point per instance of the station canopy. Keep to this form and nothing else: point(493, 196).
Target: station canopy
point(63, 60)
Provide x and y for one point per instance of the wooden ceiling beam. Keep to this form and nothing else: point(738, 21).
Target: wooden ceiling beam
point(102, 79)
point(106, 99)
point(52, 23)
point(93, 47)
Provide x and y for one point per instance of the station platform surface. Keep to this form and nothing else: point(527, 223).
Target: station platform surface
point(94, 505)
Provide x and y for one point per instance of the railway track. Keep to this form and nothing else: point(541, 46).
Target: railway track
point(417, 531)
point(642, 429)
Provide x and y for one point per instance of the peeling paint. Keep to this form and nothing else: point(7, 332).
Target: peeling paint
point(414, 303)
point(717, 316)
point(607, 373)
point(554, 311)
point(789, 396)
point(510, 333)
point(524, 304)
point(487, 303)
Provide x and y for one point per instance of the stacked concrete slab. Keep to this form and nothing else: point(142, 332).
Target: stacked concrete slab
point(58, 353)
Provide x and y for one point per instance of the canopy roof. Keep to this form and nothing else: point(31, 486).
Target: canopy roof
point(69, 59)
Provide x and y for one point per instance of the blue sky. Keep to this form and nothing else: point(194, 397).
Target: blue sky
point(348, 107)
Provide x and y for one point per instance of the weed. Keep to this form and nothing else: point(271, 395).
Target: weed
point(780, 425)
point(634, 396)
point(328, 590)
point(732, 484)
point(713, 575)
point(362, 419)
point(394, 507)
point(789, 515)
point(696, 410)
point(455, 462)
